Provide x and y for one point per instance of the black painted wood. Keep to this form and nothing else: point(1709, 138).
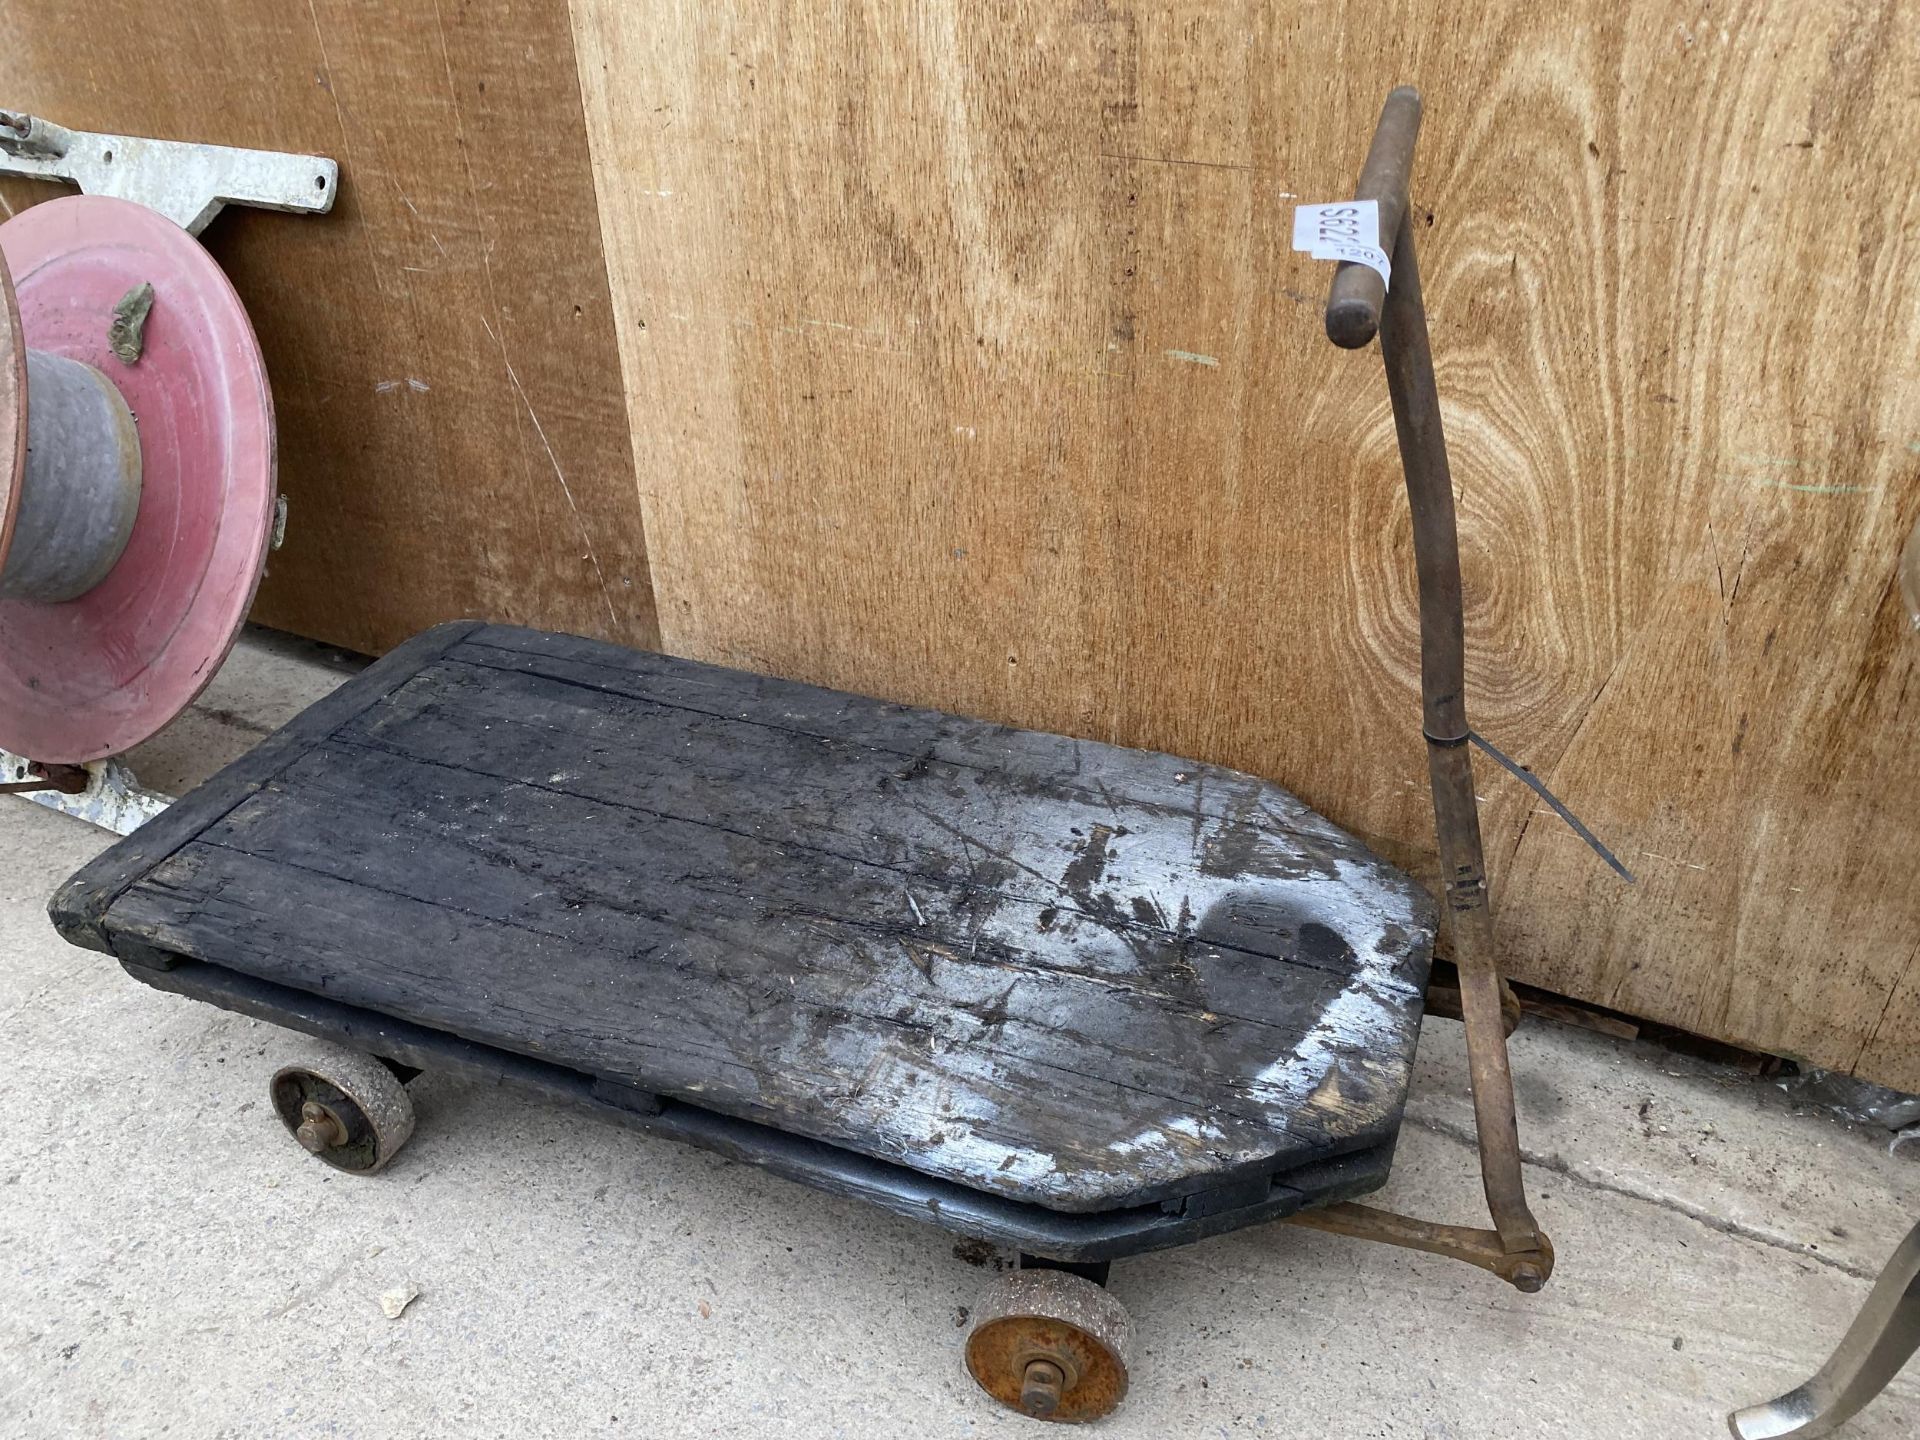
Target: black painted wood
point(1074, 975)
point(80, 905)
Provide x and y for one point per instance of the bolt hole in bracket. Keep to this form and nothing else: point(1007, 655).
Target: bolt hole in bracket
point(186, 182)
point(189, 184)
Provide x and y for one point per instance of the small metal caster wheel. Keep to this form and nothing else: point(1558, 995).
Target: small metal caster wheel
point(1051, 1345)
point(345, 1108)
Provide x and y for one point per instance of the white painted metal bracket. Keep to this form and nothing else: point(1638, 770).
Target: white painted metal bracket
point(185, 182)
point(114, 800)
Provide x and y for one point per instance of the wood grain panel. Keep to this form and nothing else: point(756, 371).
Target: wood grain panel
point(967, 364)
point(452, 432)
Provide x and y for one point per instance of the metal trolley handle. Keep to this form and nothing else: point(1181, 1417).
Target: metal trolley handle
point(1359, 306)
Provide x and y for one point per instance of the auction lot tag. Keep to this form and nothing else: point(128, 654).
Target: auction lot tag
point(1348, 230)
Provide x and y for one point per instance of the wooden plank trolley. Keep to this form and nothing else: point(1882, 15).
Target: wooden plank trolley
point(1072, 999)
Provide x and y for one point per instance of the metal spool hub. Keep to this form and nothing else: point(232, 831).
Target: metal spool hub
point(80, 488)
point(136, 475)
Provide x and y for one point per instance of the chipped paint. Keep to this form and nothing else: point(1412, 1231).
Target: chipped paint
point(1131, 906)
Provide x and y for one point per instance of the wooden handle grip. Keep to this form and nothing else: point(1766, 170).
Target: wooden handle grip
point(1353, 304)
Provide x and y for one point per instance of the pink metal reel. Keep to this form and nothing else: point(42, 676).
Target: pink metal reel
point(136, 488)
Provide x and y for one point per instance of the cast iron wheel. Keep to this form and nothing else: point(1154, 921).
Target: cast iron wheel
point(345, 1108)
point(1051, 1345)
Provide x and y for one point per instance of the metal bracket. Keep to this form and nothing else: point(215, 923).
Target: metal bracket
point(189, 184)
point(1525, 1270)
point(185, 182)
point(112, 798)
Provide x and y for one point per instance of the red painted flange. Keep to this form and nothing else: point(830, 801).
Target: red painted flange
point(95, 676)
point(13, 408)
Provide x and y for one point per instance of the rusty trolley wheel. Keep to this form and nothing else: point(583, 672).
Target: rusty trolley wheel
point(345, 1108)
point(1051, 1345)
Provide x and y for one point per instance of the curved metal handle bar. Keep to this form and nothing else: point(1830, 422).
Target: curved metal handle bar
point(1881, 1339)
point(1358, 303)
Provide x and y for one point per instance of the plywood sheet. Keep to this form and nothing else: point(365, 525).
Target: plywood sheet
point(452, 433)
point(967, 365)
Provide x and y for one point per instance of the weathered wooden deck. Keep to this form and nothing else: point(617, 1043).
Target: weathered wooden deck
point(1072, 974)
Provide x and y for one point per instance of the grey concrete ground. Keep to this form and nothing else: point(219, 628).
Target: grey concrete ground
point(171, 1264)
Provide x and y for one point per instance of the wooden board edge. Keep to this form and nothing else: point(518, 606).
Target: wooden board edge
point(79, 906)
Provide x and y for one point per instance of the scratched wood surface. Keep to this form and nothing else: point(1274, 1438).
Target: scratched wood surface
point(968, 364)
point(452, 432)
point(1077, 975)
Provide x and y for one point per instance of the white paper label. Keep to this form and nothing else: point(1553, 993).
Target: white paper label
point(1348, 230)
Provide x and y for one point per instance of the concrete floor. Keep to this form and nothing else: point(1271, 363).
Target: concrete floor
point(171, 1264)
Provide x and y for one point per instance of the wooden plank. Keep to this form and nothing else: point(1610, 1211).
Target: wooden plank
point(967, 364)
point(452, 433)
point(1000, 977)
point(912, 735)
point(80, 905)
